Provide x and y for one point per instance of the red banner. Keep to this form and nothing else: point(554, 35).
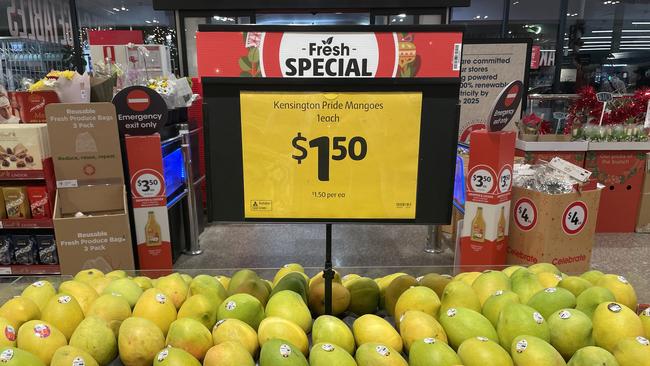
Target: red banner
point(329, 55)
point(149, 202)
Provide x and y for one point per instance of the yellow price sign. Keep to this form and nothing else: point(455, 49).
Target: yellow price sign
point(314, 155)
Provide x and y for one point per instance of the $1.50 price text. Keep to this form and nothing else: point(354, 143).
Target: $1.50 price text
point(337, 148)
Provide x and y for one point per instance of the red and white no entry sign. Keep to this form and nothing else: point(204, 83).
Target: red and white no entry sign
point(512, 95)
point(138, 100)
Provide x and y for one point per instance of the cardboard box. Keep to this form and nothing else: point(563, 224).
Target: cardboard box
point(31, 105)
point(622, 171)
point(558, 229)
point(101, 241)
point(643, 220)
point(23, 146)
point(484, 237)
point(88, 165)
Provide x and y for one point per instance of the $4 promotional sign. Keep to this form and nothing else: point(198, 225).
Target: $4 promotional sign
point(330, 155)
point(329, 55)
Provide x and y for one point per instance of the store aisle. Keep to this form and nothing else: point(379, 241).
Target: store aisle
point(271, 246)
point(265, 246)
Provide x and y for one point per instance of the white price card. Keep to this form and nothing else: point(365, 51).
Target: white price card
point(576, 172)
point(70, 183)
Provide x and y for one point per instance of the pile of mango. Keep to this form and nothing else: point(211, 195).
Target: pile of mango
point(535, 316)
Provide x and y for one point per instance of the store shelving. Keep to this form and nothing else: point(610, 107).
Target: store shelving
point(29, 269)
point(26, 224)
point(19, 175)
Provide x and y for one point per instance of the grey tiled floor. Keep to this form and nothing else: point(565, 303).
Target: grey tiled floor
point(271, 246)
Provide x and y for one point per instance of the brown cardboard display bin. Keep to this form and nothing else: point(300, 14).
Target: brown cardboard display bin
point(102, 238)
point(557, 229)
point(91, 215)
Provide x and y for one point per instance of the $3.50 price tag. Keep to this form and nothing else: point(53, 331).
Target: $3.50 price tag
point(482, 179)
point(147, 183)
point(525, 213)
point(574, 218)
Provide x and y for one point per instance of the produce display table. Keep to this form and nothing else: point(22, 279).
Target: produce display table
point(571, 151)
point(620, 167)
point(398, 294)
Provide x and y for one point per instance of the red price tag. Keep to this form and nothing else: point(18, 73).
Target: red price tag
point(147, 183)
point(574, 218)
point(525, 214)
point(482, 179)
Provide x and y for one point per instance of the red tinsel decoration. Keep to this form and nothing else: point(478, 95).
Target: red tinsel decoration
point(545, 128)
point(587, 108)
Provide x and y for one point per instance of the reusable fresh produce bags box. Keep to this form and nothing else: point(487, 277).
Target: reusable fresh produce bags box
point(91, 220)
point(554, 228)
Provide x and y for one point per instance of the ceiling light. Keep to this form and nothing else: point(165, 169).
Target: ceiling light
point(594, 49)
point(597, 37)
point(485, 17)
point(515, 3)
point(116, 9)
point(597, 42)
point(401, 15)
point(602, 31)
point(123, 8)
point(640, 23)
point(148, 22)
point(636, 31)
point(615, 65)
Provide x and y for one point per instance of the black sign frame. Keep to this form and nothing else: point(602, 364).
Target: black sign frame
point(439, 120)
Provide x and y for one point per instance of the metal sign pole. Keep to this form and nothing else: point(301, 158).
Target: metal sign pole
point(328, 273)
point(434, 242)
point(193, 220)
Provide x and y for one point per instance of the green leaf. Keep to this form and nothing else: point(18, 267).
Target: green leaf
point(244, 35)
point(245, 74)
point(244, 64)
point(253, 55)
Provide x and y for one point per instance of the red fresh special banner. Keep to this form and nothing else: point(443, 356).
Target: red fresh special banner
point(329, 55)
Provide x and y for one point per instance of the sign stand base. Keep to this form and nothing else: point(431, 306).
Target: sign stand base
point(434, 242)
point(328, 273)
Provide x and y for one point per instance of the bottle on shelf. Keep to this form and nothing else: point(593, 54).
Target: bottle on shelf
point(478, 226)
point(152, 231)
point(501, 227)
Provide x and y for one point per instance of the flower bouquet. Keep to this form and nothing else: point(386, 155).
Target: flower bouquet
point(529, 127)
point(70, 86)
point(103, 83)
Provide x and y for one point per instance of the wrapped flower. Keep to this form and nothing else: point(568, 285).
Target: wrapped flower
point(531, 123)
